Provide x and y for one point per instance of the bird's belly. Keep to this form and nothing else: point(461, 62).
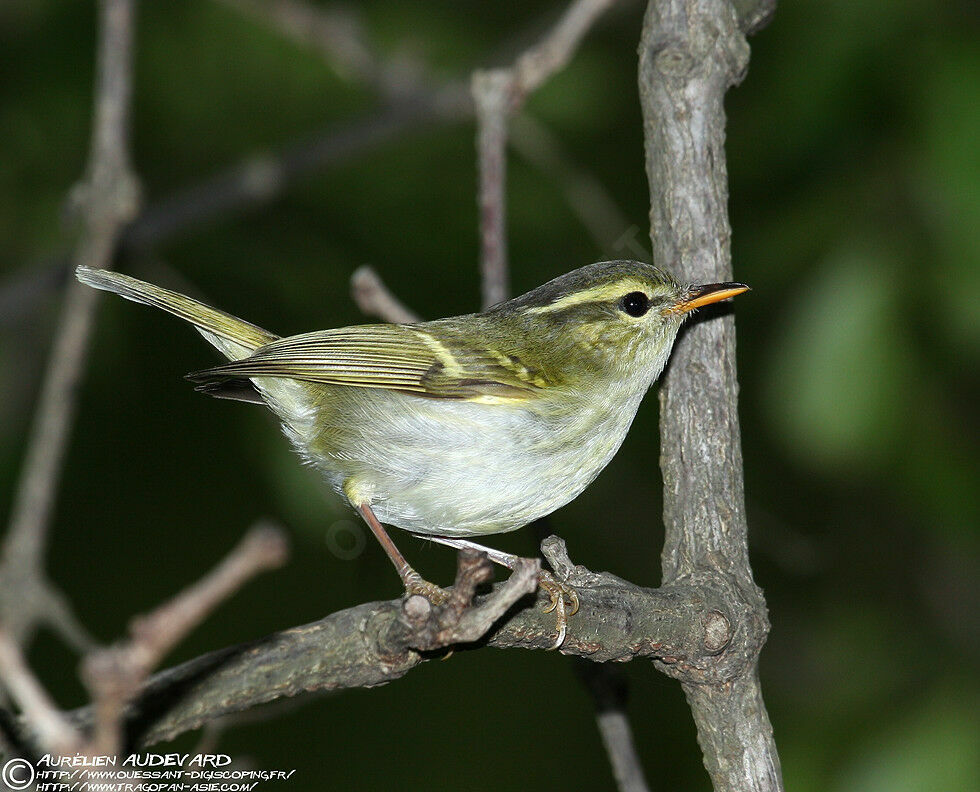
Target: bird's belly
point(464, 469)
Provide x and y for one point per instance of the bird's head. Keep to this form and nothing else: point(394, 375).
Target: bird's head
point(626, 314)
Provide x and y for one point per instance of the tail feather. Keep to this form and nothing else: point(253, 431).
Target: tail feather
point(235, 337)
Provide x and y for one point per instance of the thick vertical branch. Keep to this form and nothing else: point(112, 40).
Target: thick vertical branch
point(690, 54)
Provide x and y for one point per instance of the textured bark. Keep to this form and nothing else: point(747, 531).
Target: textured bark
point(682, 628)
point(690, 54)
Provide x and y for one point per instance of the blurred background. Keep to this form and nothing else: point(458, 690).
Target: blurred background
point(855, 208)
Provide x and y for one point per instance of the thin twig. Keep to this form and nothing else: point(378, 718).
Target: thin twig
point(375, 299)
point(337, 35)
point(115, 674)
point(607, 685)
point(491, 93)
point(263, 548)
point(498, 94)
point(586, 196)
point(334, 32)
point(54, 730)
point(555, 49)
point(108, 199)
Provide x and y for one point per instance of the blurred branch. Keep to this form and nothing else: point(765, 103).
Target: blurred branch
point(337, 35)
point(690, 54)
point(409, 103)
point(115, 674)
point(498, 94)
point(334, 32)
point(617, 739)
point(679, 627)
point(555, 49)
point(260, 180)
point(54, 731)
point(607, 685)
point(375, 299)
point(107, 200)
point(586, 196)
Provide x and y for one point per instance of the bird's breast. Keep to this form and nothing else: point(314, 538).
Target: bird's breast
point(456, 468)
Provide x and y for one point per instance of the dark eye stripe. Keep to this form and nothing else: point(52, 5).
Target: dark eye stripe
point(635, 303)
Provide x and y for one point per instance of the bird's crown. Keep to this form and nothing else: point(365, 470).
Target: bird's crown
point(603, 285)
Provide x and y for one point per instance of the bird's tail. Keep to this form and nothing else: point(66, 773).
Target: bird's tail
point(234, 337)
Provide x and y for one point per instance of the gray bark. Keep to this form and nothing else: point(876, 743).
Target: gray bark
point(682, 628)
point(690, 54)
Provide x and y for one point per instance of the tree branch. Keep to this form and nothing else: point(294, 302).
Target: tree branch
point(108, 199)
point(375, 299)
point(690, 54)
point(607, 685)
point(333, 32)
point(115, 674)
point(497, 95)
point(491, 95)
point(681, 628)
point(54, 731)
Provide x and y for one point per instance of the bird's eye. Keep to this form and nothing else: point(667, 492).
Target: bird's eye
point(635, 303)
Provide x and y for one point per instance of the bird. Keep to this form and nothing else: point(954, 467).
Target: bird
point(463, 427)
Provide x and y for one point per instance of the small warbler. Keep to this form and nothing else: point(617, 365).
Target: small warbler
point(465, 426)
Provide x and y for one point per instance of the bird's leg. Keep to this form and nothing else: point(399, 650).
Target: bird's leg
point(557, 591)
point(414, 582)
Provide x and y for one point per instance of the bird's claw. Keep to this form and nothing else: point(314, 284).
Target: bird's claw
point(558, 592)
point(416, 584)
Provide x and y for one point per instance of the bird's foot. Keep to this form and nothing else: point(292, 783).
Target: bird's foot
point(416, 584)
point(564, 602)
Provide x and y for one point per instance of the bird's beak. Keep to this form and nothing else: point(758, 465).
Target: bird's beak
point(699, 296)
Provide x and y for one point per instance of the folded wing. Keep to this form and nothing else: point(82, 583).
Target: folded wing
point(414, 359)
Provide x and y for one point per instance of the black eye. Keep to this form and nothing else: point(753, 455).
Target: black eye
point(635, 303)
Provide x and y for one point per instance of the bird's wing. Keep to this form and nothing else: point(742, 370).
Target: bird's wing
point(424, 360)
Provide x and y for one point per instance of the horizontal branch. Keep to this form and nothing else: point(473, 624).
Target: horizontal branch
point(685, 629)
point(260, 180)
